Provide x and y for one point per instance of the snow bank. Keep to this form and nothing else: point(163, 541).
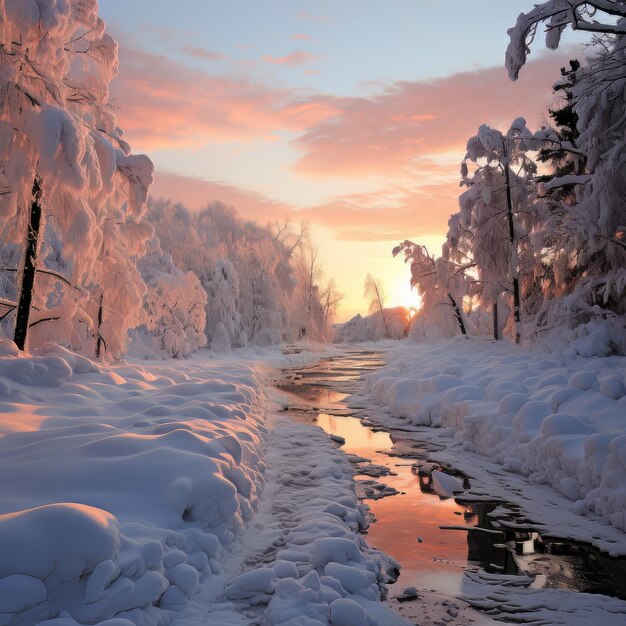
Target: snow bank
point(512, 599)
point(315, 567)
point(121, 487)
point(560, 420)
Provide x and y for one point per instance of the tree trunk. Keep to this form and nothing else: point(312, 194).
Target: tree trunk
point(30, 267)
point(516, 291)
point(496, 323)
point(457, 313)
point(98, 333)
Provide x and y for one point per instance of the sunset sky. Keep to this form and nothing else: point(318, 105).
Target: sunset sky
point(350, 114)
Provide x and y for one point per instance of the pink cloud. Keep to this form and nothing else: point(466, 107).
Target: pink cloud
point(392, 213)
point(399, 135)
point(202, 53)
point(383, 134)
point(302, 36)
point(299, 57)
point(164, 104)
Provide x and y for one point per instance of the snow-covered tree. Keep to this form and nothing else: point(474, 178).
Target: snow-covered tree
point(591, 232)
point(310, 316)
point(62, 156)
point(372, 328)
point(593, 16)
point(373, 290)
point(493, 208)
point(330, 299)
point(262, 282)
point(223, 319)
point(441, 284)
point(175, 315)
point(117, 298)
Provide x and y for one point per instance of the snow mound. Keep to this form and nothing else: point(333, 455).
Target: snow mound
point(122, 488)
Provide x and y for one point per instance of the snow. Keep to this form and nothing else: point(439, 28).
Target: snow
point(446, 485)
point(558, 420)
point(122, 486)
point(131, 495)
point(512, 599)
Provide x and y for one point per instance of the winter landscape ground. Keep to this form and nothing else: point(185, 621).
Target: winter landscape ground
point(223, 402)
point(149, 494)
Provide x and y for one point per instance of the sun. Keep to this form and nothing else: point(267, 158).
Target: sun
point(401, 294)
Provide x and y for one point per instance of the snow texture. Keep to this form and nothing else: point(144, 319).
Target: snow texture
point(131, 495)
point(559, 420)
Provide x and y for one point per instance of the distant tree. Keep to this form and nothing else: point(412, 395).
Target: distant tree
point(330, 299)
point(175, 306)
point(373, 289)
point(223, 319)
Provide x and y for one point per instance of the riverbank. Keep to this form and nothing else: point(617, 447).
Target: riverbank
point(555, 420)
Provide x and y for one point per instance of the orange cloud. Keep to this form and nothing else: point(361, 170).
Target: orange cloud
point(384, 134)
point(394, 212)
point(299, 57)
point(302, 36)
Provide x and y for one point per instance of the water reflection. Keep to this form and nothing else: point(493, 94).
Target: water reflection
point(407, 525)
point(359, 440)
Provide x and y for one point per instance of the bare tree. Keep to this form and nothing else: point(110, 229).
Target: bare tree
point(374, 291)
point(330, 298)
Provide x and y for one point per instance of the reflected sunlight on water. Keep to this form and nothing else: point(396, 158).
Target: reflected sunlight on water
point(435, 563)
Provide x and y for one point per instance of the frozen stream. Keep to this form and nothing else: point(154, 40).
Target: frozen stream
point(408, 514)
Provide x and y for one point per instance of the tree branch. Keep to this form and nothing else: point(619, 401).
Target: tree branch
point(44, 319)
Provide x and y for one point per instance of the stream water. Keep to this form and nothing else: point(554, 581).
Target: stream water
point(408, 514)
